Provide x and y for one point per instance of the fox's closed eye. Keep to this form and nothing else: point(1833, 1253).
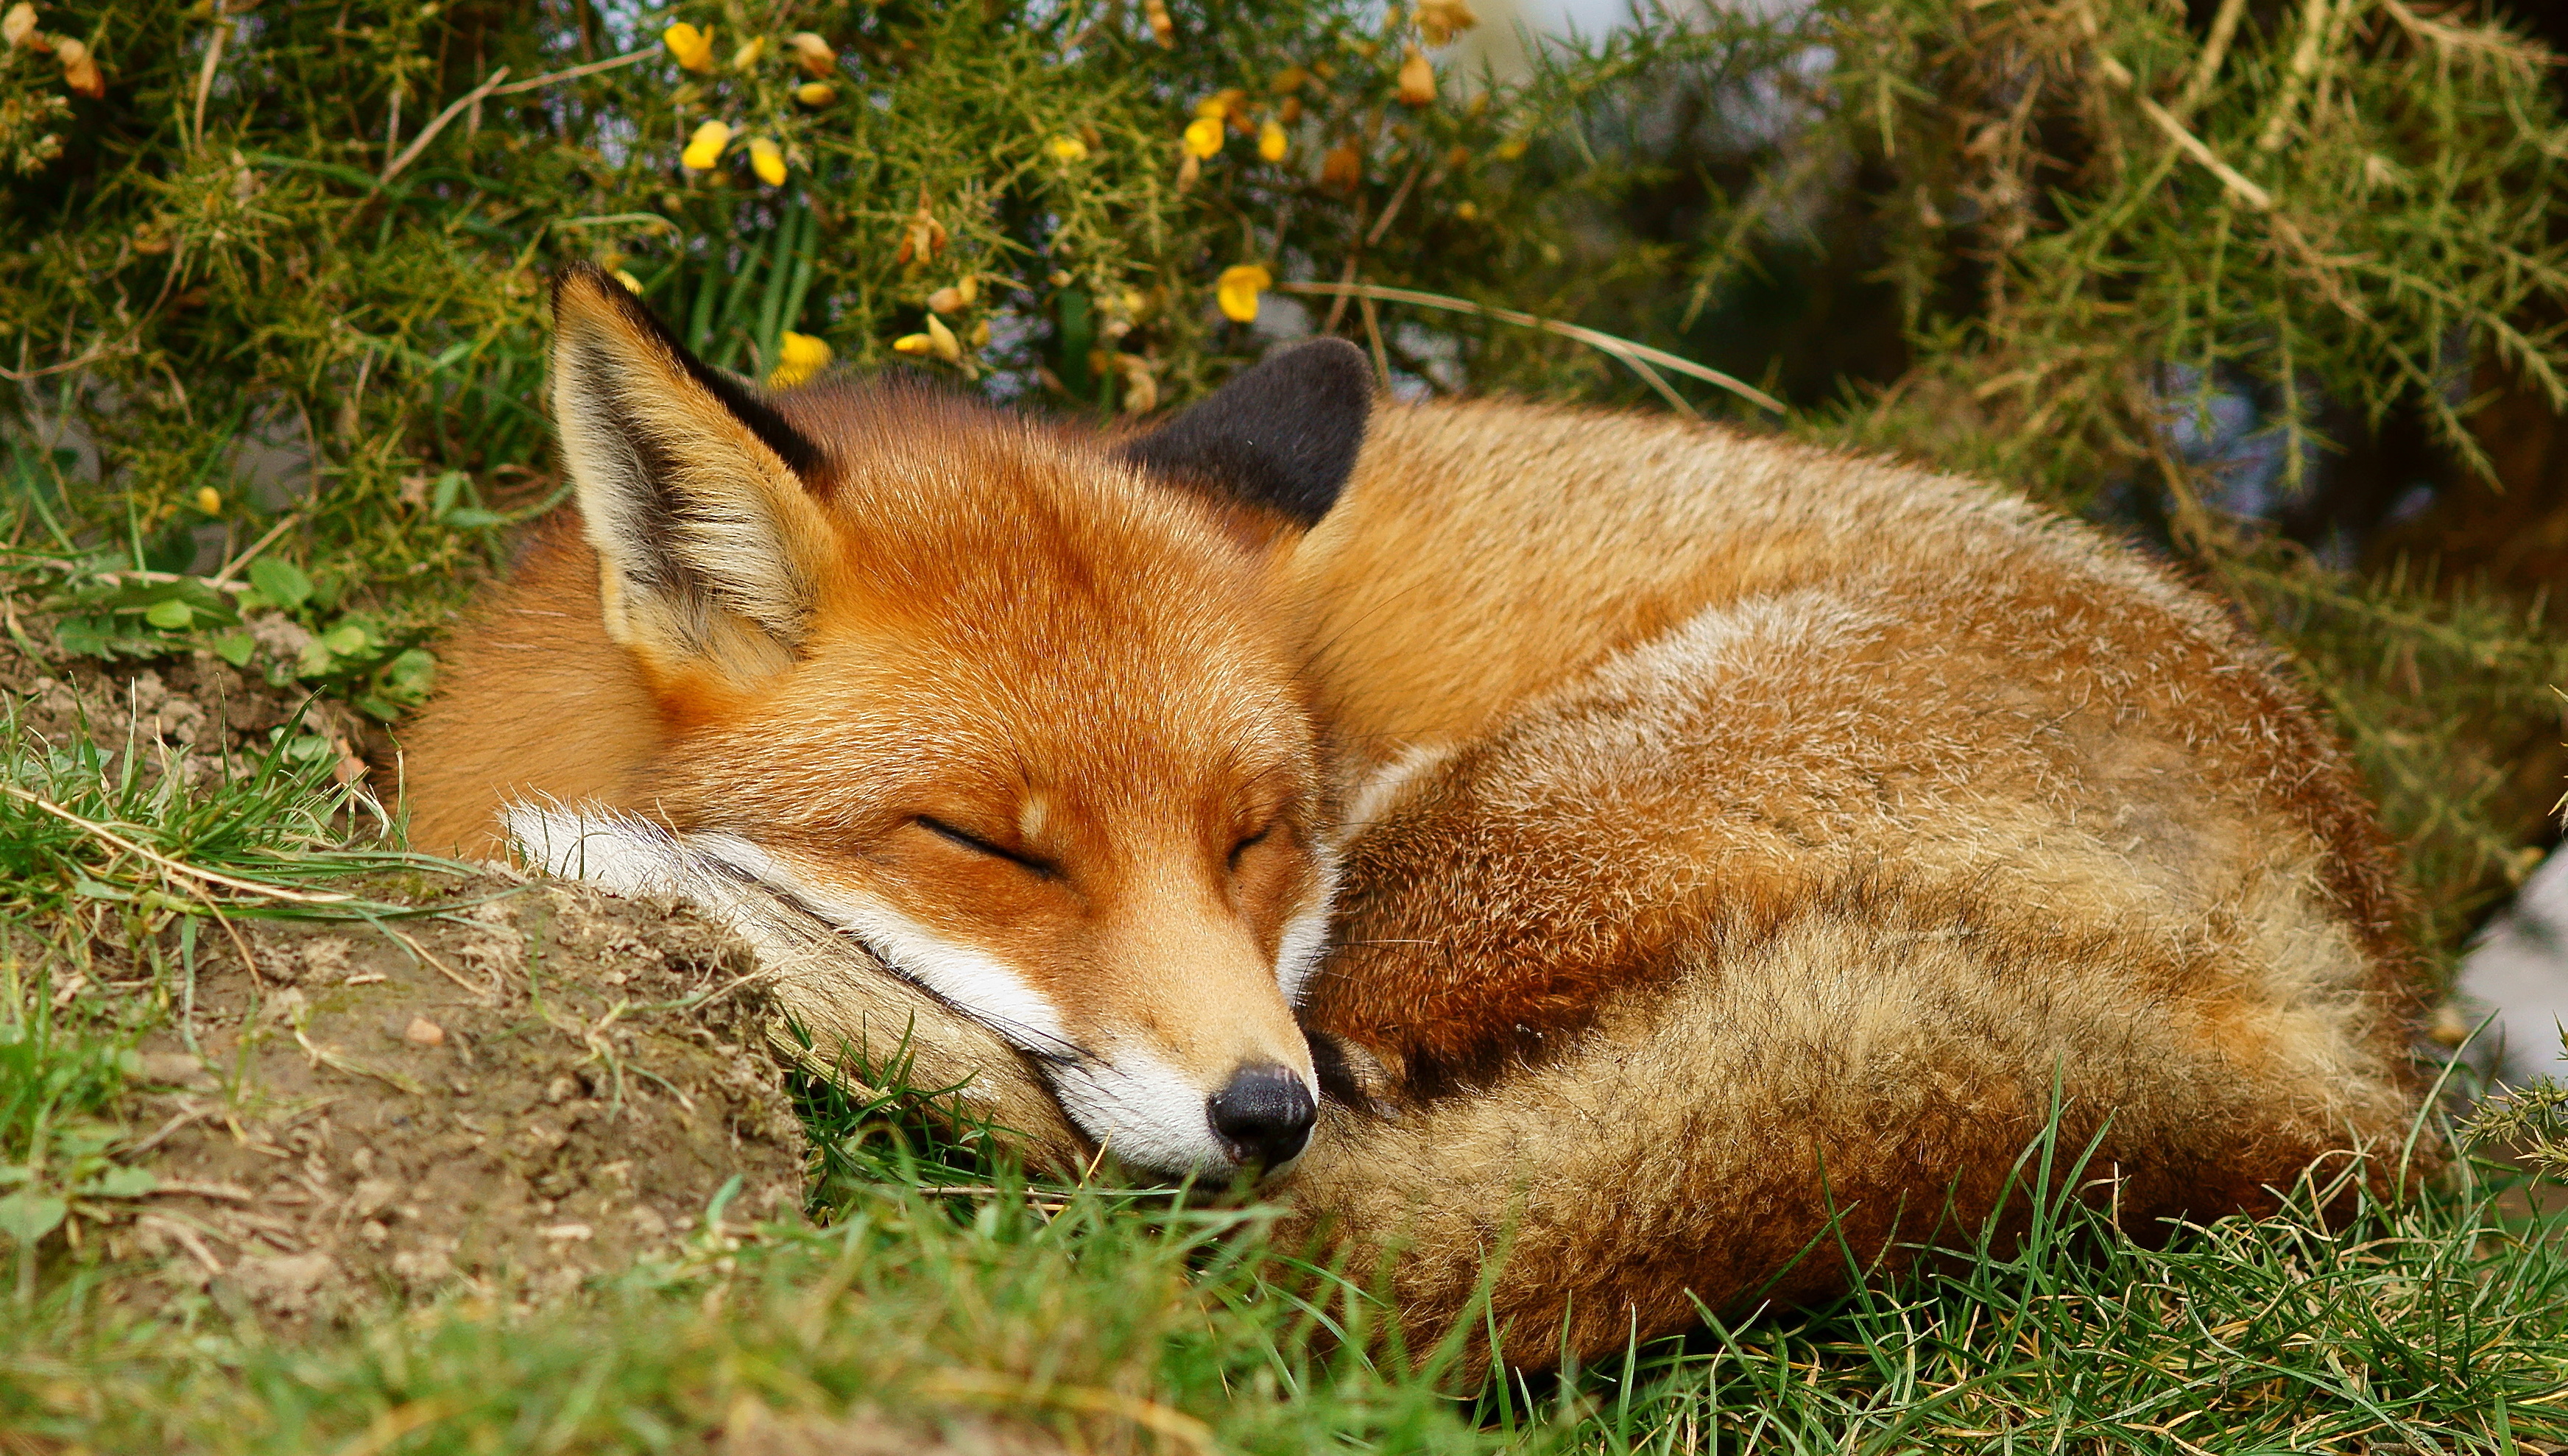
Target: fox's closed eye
point(965, 839)
point(1248, 842)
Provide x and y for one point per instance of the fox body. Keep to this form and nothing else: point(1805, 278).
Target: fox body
point(1648, 846)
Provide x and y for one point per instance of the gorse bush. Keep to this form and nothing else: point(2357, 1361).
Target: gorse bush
point(288, 259)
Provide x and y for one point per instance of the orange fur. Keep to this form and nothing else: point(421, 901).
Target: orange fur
point(1736, 835)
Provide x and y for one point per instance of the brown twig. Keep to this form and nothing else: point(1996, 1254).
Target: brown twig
point(1373, 336)
point(427, 133)
point(2234, 182)
point(1347, 275)
point(1391, 210)
point(332, 1056)
point(187, 1239)
point(483, 994)
point(574, 73)
point(492, 87)
point(29, 375)
point(2305, 64)
point(206, 76)
point(191, 1116)
point(2215, 50)
point(231, 567)
point(184, 1189)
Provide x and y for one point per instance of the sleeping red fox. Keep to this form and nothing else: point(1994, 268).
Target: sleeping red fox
point(1622, 840)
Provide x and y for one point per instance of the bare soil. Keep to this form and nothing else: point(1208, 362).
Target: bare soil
point(502, 1093)
point(200, 711)
point(503, 1099)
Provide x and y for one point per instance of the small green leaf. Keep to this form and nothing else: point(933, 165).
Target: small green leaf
point(345, 640)
point(281, 582)
point(123, 1182)
point(28, 1216)
point(446, 492)
point(85, 636)
point(411, 674)
point(170, 616)
point(310, 748)
point(13, 1174)
point(474, 517)
point(235, 648)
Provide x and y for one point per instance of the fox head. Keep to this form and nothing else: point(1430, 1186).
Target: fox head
point(1010, 706)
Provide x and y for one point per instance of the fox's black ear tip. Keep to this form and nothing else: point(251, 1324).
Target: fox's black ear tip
point(1328, 356)
point(1329, 370)
point(1281, 436)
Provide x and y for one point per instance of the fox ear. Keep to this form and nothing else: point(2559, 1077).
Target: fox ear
point(1281, 436)
point(709, 544)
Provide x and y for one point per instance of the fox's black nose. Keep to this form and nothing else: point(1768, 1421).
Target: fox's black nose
point(1264, 1115)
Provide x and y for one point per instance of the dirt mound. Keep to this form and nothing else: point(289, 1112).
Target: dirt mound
point(199, 709)
point(528, 1084)
point(541, 1083)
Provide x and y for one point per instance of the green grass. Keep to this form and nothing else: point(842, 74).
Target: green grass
point(936, 1283)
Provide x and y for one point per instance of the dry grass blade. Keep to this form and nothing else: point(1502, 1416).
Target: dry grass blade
point(1634, 355)
point(109, 836)
point(1150, 1415)
point(331, 1056)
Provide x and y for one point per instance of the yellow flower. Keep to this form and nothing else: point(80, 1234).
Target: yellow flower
point(1204, 136)
point(1238, 289)
point(815, 93)
point(1272, 143)
point(693, 48)
point(797, 358)
point(1439, 20)
point(631, 284)
point(768, 161)
point(209, 500)
point(80, 68)
point(1416, 79)
point(748, 54)
point(914, 344)
point(705, 148)
point(941, 339)
point(1068, 148)
point(812, 53)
